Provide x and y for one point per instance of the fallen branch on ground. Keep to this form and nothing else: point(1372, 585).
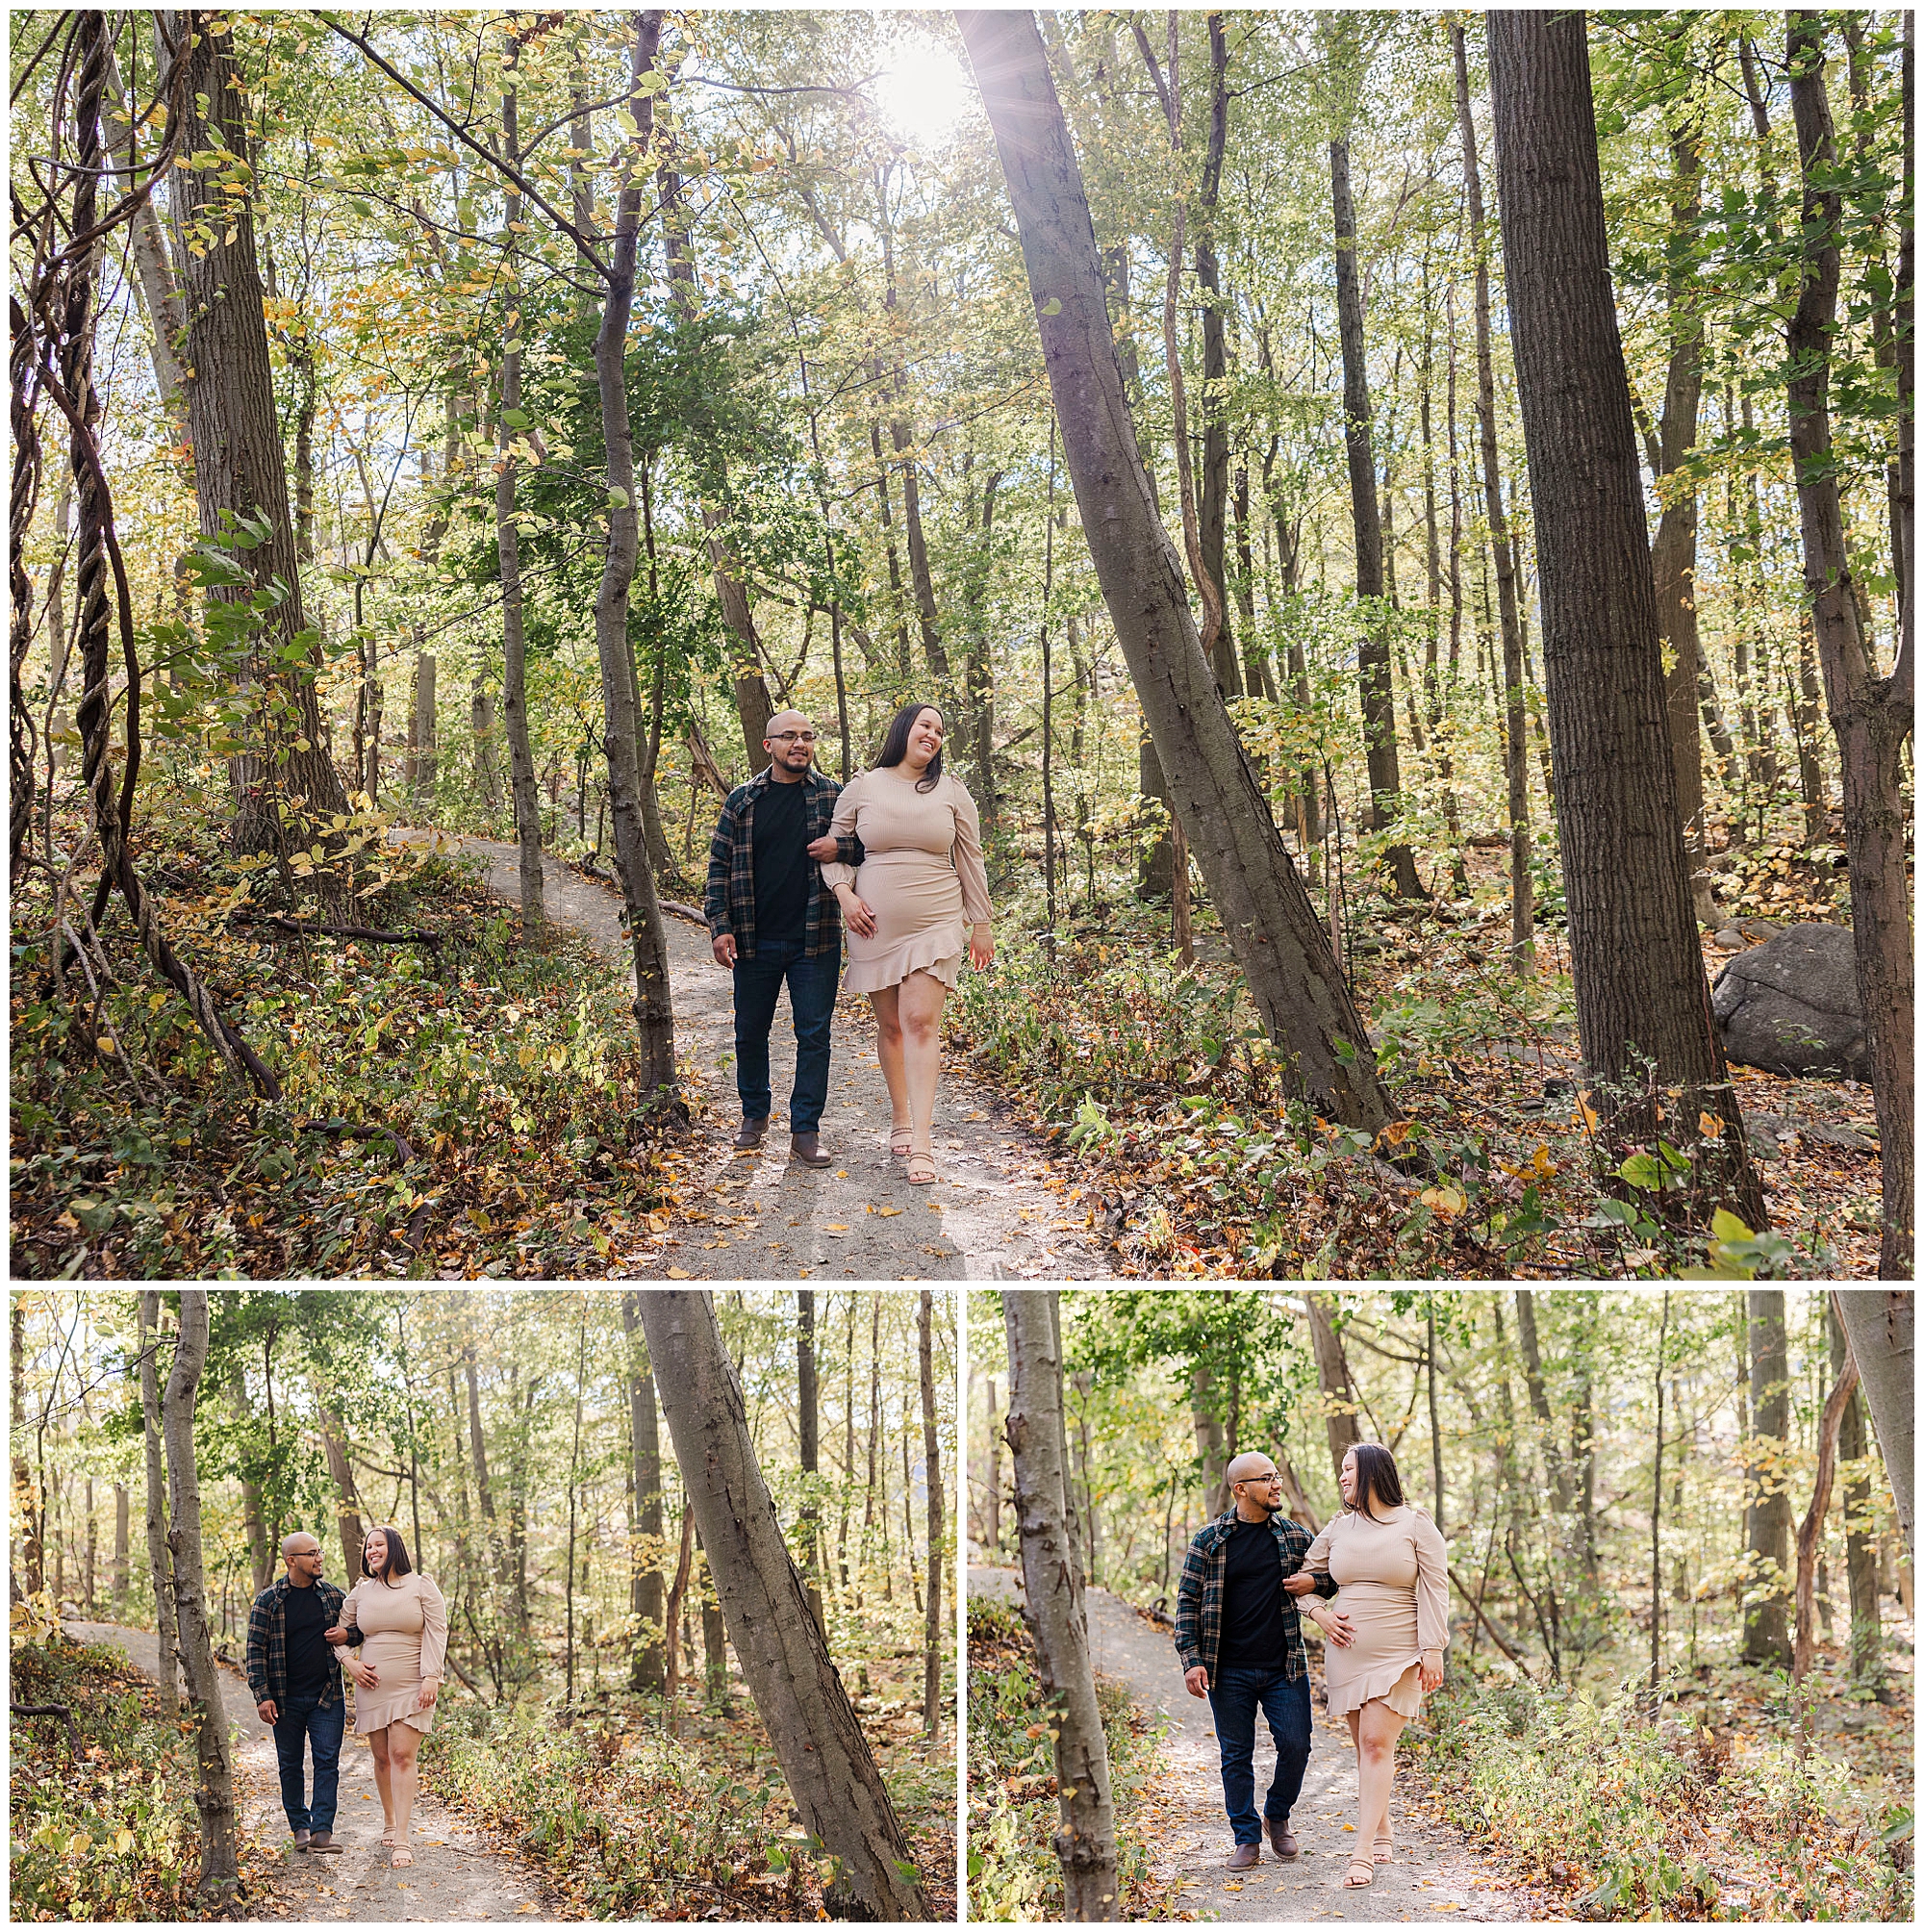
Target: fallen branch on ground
point(301, 929)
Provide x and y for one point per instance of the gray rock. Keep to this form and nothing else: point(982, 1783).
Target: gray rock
point(1791, 1006)
point(1728, 940)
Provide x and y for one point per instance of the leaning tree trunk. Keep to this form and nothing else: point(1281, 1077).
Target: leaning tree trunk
point(1881, 1324)
point(645, 1555)
point(832, 1773)
point(1641, 994)
point(159, 1563)
point(1277, 937)
point(654, 1013)
point(1054, 1606)
point(1870, 714)
point(214, 1794)
point(285, 780)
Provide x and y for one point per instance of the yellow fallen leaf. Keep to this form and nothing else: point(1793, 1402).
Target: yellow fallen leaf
point(680, 1274)
point(123, 1842)
point(835, 1227)
point(886, 1212)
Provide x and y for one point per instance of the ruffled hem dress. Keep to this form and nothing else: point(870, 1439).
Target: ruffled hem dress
point(403, 1628)
point(922, 877)
point(1393, 1569)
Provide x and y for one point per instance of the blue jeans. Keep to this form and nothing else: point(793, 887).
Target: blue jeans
point(305, 1721)
point(1235, 1696)
point(811, 998)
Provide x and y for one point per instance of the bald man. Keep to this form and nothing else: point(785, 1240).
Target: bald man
point(295, 1679)
point(1241, 1643)
point(772, 921)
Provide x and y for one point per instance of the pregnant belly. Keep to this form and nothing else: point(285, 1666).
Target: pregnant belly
point(909, 892)
point(396, 1654)
point(1384, 1614)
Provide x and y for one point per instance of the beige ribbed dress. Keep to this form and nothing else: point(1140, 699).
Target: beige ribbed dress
point(922, 877)
point(1393, 1572)
point(403, 1626)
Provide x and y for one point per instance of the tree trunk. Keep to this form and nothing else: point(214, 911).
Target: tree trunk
point(713, 1640)
point(1859, 1546)
point(1766, 1637)
point(808, 1419)
point(831, 1774)
point(507, 534)
point(213, 1794)
point(931, 1455)
point(1271, 926)
point(154, 276)
point(1880, 1323)
point(1215, 361)
point(1810, 1528)
point(994, 1511)
point(1055, 1608)
point(239, 465)
point(1634, 955)
point(1516, 756)
point(644, 1597)
point(1373, 653)
point(1554, 1466)
point(1332, 1372)
point(259, 1549)
point(424, 752)
point(653, 1009)
point(347, 1499)
point(159, 1561)
point(1871, 715)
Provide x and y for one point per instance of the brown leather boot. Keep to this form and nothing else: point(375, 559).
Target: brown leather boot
point(749, 1135)
point(1243, 1857)
point(1281, 1840)
point(806, 1148)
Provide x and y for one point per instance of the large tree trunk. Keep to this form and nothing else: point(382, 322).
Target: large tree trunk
point(239, 467)
point(1634, 955)
point(1332, 1373)
point(831, 1774)
point(1054, 1606)
point(213, 1794)
point(1516, 768)
point(931, 1456)
point(1881, 1324)
point(644, 1525)
point(1272, 927)
point(1871, 715)
point(159, 1562)
point(507, 537)
point(1859, 1544)
point(653, 1009)
point(1766, 1633)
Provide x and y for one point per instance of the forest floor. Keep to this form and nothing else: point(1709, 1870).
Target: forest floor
point(1435, 1870)
point(996, 1212)
point(459, 1871)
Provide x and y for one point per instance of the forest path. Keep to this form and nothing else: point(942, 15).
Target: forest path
point(457, 1873)
point(989, 1216)
point(1435, 1870)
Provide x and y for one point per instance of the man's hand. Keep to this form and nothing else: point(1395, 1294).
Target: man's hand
point(338, 1635)
point(823, 851)
point(1432, 1668)
point(857, 911)
point(725, 949)
point(365, 1675)
point(270, 1711)
point(1301, 1584)
point(1335, 1624)
point(1196, 1680)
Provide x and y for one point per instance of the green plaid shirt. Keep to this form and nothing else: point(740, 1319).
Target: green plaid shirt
point(1198, 1597)
point(268, 1642)
point(731, 905)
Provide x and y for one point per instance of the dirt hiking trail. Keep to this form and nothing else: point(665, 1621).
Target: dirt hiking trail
point(1436, 1875)
point(989, 1216)
point(458, 1872)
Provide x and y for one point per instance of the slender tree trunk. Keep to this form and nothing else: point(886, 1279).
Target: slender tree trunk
point(808, 1419)
point(931, 1456)
point(1271, 926)
point(347, 1499)
point(213, 1793)
point(1055, 1610)
point(1767, 1638)
point(1881, 1324)
point(1216, 360)
point(1641, 993)
point(1870, 714)
point(1860, 1550)
point(160, 1562)
point(1435, 1427)
point(1332, 1372)
point(1809, 1529)
point(644, 1597)
point(831, 1774)
point(1656, 1512)
point(259, 1549)
point(994, 1502)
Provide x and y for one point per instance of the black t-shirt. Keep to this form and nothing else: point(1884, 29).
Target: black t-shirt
point(781, 861)
point(308, 1658)
point(1252, 1596)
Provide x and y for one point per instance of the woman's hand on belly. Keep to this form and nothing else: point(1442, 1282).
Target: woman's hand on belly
point(365, 1675)
point(857, 911)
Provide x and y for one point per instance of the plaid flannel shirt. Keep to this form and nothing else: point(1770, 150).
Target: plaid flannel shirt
point(268, 1642)
point(731, 905)
point(1198, 1597)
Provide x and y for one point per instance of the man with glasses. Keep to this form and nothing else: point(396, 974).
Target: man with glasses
point(773, 922)
point(1240, 1640)
point(295, 1680)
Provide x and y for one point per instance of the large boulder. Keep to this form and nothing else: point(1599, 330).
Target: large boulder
point(1791, 1006)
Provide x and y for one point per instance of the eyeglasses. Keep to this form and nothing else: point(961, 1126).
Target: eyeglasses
point(799, 737)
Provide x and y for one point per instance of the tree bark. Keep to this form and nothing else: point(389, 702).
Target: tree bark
point(1554, 1466)
point(1880, 1325)
point(1216, 360)
point(1870, 714)
point(1859, 1546)
point(259, 1549)
point(1641, 993)
point(347, 1499)
point(160, 1563)
point(808, 1419)
point(1271, 926)
point(1332, 1372)
point(644, 1597)
point(931, 1454)
point(1054, 1606)
point(1767, 1634)
point(831, 1774)
point(1810, 1529)
point(213, 1794)
point(154, 276)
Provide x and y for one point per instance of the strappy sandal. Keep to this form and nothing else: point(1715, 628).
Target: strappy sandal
point(1383, 1847)
point(401, 1856)
point(1352, 1883)
point(900, 1139)
point(920, 1167)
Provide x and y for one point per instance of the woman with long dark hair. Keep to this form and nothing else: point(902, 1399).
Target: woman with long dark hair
point(1393, 1568)
point(920, 895)
point(397, 1619)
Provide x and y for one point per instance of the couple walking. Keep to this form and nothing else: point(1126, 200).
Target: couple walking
point(300, 1630)
point(899, 855)
point(1373, 1582)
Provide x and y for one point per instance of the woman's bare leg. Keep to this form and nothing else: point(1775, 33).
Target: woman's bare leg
point(403, 1745)
point(384, 1783)
point(1376, 1732)
point(889, 1051)
point(922, 999)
